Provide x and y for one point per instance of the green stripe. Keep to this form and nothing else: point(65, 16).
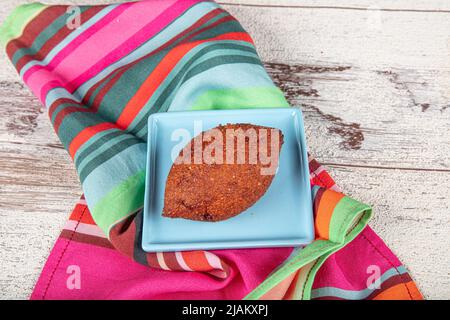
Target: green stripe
point(14, 24)
point(139, 71)
point(105, 152)
point(358, 213)
point(214, 62)
point(318, 251)
point(205, 52)
point(206, 62)
point(76, 122)
point(343, 214)
point(63, 106)
point(196, 55)
point(116, 98)
point(183, 76)
point(123, 200)
point(242, 98)
point(102, 84)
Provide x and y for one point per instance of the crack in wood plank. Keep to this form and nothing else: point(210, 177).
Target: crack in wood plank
point(286, 6)
point(289, 79)
point(34, 144)
point(400, 84)
point(351, 165)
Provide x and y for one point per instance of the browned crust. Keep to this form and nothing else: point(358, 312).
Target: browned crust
point(215, 192)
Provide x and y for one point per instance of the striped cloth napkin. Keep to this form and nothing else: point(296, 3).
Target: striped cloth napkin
point(101, 71)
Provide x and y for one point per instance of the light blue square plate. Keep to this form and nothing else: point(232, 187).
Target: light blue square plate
point(282, 217)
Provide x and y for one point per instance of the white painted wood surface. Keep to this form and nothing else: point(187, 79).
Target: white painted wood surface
point(374, 86)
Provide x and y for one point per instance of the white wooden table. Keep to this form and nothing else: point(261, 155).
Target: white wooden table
point(373, 80)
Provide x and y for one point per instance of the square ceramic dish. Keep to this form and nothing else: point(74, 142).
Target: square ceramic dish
point(281, 217)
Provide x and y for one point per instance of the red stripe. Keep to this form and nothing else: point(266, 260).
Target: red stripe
point(171, 261)
point(57, 103)
point(87, 239)
point(84, 36)
point(120, 71)
point(159, 74)
point(317, 200)
point(313, 165)
point(34, 28)
point(82, 214)
point(324, 213)
point(196, 260)
point(86, 134)
point(65, 112)
point(47, 87)
point(152, 260)
point(56, 38)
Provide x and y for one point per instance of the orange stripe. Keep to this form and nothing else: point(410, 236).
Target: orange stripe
point(86, 134)
point(279, 291)
point(414, 291)
point(160, 73)
point(81, 211)
point(325, 211)
point(120, 71)
point(196, 260)
point(399, 292)
point(292, 287)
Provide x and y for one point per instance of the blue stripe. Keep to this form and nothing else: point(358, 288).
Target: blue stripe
point(355, 295)
point(68, 40)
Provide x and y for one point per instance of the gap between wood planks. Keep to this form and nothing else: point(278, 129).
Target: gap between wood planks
point(334, 164)
point(286, 6)
point(289, 77)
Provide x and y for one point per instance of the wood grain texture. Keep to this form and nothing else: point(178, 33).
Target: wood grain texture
point(374, 86)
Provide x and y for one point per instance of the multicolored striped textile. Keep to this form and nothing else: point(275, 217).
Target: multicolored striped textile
point(363, 269)
point(101, 71)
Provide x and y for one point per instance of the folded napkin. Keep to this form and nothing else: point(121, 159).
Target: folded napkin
point(101, 71)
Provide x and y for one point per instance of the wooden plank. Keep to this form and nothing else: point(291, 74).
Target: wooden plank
point(374, 88)
point(382, 95)
point(393, 119)
point(385, 5)
point(411, 214)
point(38, 188)
point(342, 126)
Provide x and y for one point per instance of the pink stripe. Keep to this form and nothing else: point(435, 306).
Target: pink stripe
point(54, 83)
point(82, 38)
point(335, 187)
point(318, 170)
point(121, 24)
point(279, 290)
point(368, 253)
point(147, 32)
point(84, 228)
point(181, 261)
point(218, 273)
point(213, 260)
point(161, 261)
